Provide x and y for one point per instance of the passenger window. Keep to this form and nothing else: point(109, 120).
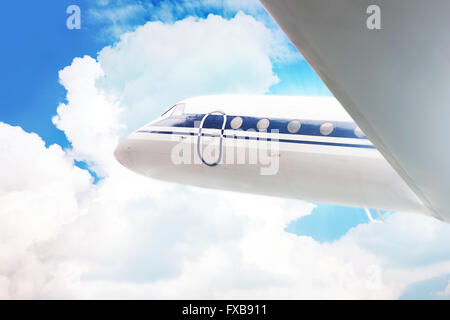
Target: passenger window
point(326, 128)
point(293, 126)
point(236, 123)
point(262, 124)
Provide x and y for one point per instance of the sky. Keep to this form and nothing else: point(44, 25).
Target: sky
point(75, 224)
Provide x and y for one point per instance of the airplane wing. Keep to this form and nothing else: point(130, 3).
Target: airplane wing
point(393, 81)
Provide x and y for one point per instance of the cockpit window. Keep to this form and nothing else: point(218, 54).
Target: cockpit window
point(176, 110)
point(167, 113)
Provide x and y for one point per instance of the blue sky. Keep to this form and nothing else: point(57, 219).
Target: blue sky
point(328, 222)
point(35, 51)
point(38, 45)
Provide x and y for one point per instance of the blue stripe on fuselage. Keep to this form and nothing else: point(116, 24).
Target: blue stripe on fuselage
point(342, 129)
point(322, 143)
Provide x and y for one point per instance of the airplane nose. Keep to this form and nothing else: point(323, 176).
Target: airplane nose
point(123, 153)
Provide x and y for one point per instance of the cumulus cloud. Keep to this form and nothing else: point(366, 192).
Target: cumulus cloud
point(40, 191)
point(117, 17)
point(445, 294)
point(159, 64)
point(415, 240)
point(91, 118)
point(131, 237)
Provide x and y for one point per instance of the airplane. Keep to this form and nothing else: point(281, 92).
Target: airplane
point(391, 77)
point(306, 148)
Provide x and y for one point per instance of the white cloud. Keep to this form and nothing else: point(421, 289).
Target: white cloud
point(40, 191)
point(131, 237)
point(412, 247)
point(161, 64)
point(91, 118)
point(121, 16)
point(445, 294)
point(405, 240)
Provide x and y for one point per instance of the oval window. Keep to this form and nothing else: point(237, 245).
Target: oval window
point(359, 133)
point(262, 124)
point(326, 128)
point(293, 126)
point(236, 123)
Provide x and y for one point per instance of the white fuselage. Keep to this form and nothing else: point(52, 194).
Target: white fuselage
point(295, 147)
